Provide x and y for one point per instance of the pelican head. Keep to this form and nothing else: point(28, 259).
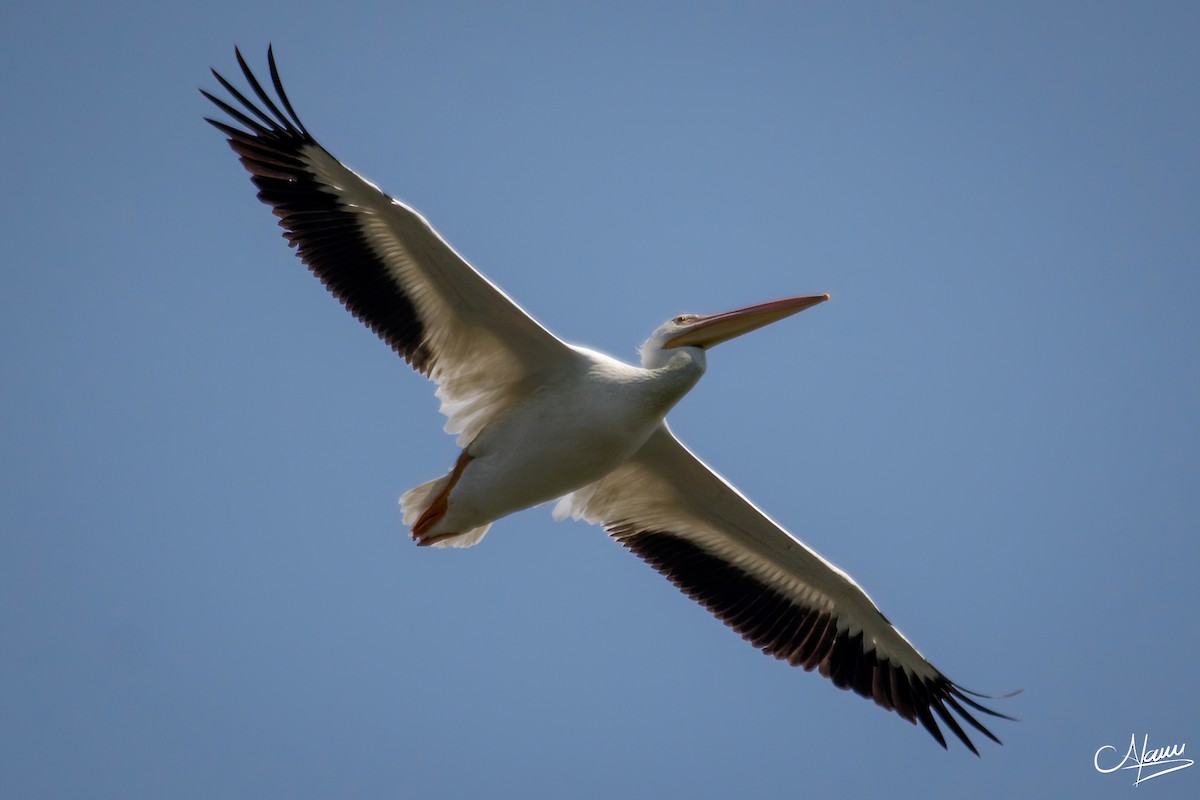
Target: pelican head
point(705, 330)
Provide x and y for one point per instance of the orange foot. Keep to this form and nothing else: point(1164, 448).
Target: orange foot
point(425, 541)
point(437, 509)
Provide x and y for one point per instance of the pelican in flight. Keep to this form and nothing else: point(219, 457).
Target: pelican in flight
point(539, 419)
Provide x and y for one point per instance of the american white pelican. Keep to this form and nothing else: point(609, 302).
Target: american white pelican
point(539, 419)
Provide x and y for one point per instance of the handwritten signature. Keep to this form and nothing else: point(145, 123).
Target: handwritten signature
point(1156, 762)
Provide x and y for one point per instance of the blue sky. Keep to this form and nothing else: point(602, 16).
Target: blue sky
point(205, 589)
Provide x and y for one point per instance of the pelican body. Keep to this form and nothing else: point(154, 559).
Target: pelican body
point(539, 419)
point(573, 426)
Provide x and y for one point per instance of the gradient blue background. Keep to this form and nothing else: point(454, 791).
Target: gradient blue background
point(205, 589)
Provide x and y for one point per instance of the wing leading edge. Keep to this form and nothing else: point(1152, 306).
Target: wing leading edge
point(692, 526)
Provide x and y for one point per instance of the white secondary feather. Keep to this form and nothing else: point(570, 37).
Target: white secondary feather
point(537, 418)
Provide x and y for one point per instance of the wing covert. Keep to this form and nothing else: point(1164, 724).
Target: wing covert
point(692, 526)
point(385, 263)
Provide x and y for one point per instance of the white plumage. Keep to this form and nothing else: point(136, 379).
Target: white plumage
point(538, 419)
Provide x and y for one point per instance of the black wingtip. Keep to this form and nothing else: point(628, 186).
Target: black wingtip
point(950, 722)
point(283, 98)
point(962, 695)
point(930, 725)
point(279, 153)
point(1005, 696)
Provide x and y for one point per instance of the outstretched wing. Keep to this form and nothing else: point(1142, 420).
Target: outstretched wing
point(385, 263)
point(692, 526)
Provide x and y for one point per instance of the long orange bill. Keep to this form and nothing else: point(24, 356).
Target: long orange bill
point(716, 328)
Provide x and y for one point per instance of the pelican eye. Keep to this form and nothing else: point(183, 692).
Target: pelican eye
point(683, 318)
